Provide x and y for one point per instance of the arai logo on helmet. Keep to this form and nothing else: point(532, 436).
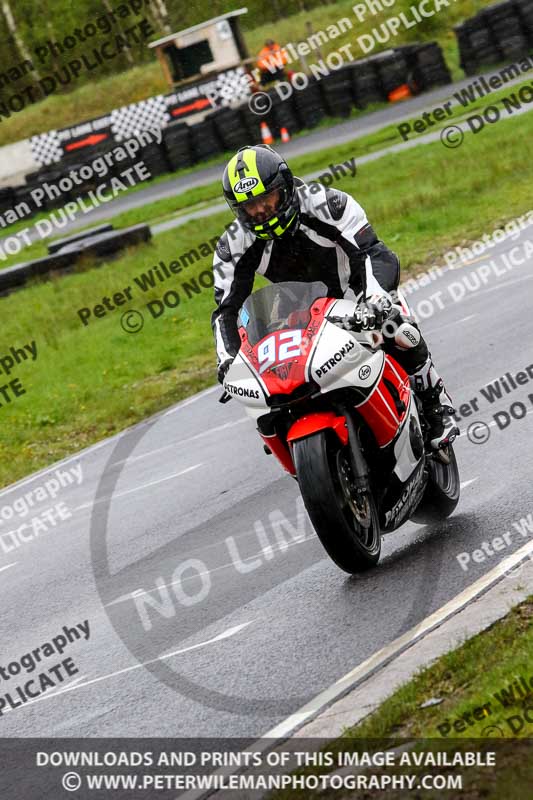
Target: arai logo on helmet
point(245, 185)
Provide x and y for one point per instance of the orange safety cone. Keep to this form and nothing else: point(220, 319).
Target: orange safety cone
point(402, 92)
point(285, 135)
point(266, 135)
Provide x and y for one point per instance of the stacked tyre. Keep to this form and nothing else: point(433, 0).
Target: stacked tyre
point(308, 104)
point(177, 145)
point(505, 24)
point(231, 128)
point(524, 9)
point(429, 68)
point(393, 71)
point(283, 114)
point(477, 46)
point(337, 92)
point(366, 83)
point(205, 140)
point(155, 159)
point(7, 198)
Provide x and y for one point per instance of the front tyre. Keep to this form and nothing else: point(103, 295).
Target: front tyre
point(346, 523)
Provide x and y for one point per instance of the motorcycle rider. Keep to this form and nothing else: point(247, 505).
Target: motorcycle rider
point(288, 230)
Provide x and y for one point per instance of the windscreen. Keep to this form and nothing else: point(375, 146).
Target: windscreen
point(278, 307)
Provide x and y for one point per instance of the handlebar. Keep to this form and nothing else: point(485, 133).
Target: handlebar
point(351, 324)
point(346, 321)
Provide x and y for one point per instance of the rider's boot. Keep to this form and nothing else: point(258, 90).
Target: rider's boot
point(436, 404)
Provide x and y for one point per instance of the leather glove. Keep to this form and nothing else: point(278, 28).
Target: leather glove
point(371, 315)
point(223, 368)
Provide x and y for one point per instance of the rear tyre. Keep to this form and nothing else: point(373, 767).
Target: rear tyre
point(443, 488)
point(347, 526)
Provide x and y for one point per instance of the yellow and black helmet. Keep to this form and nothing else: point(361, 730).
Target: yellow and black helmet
point(256, 171)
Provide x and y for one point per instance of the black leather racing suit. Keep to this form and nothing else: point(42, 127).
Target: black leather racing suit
point(335, 244)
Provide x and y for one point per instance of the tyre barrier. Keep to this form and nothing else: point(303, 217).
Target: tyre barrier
point(366, 83)
point(73, 250)
point(506, 26)
point(231, 128)
point(501, 32)
point(525, 13)
point(337, 92)
point(428, 67)
point(58, 244)
point(368, 80)
point(177, 145)
point(308, 105)
point(393, 71)
point(205, 140)
point(155, 160)
point(282, 115)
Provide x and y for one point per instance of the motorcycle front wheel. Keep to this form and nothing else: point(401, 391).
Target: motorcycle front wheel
point(346, 522)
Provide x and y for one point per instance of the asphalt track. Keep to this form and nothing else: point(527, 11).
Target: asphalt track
point(249, 619)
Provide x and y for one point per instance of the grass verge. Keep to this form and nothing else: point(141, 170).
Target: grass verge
point(482, 697)
point(89, 382)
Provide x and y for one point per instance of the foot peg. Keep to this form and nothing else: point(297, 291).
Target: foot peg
point(448, 439)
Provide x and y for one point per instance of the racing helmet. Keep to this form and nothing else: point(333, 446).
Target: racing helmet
point(260, 190)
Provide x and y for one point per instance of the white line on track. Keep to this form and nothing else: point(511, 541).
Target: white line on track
point(494, 423)
point(181, 442)
point(6, 566)
point(449, 324)
point(71, 688)
point(392, 650)
point(136, 488)
point(265, 550)
point(501, 286)
point(93, 447)
point(65, 688)
point(270, 549)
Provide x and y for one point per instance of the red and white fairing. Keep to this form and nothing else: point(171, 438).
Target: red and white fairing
point(311, 351)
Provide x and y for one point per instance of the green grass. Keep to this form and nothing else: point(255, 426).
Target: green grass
point(100, 97)
point(457, 680)
point(89, 382)
point(468, 678)
point(199, 197)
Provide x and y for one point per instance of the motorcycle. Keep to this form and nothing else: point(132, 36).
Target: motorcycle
point(340, 416)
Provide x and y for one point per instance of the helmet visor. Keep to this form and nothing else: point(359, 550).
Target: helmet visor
point(264, 207)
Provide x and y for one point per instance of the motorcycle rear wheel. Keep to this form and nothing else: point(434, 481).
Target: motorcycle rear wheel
point(442, 491)
point(347, 525)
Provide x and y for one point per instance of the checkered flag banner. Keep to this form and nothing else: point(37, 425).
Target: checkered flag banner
point(129, 120)
point(46, 148)
point(231, 87)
